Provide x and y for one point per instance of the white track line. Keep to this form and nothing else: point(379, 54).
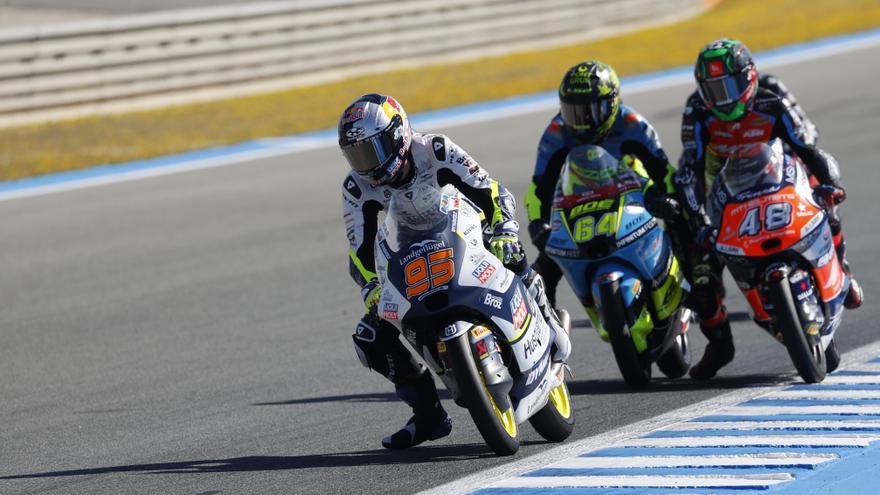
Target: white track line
point(830, 440)
point(872, 409)
point(854, 359)
point(824, 394)
point(647, 481)
point(852, 379)
point(738, 460)
point(773, 425)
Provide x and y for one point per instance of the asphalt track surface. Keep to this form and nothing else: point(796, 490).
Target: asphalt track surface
point(190, 334)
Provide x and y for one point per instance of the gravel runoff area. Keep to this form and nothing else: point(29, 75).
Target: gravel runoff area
point(41, 149)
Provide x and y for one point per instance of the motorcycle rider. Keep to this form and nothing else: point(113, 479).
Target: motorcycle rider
point(385, 154)
point(591, 113)
point(727, 114)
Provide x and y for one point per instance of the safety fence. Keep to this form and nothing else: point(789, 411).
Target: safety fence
point(148, 60)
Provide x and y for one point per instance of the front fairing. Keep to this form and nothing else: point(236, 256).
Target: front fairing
point(636, 238)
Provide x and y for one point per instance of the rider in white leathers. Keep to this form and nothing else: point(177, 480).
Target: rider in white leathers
point(385, 154)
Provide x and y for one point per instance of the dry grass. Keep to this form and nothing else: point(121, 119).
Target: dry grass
point(761, 24)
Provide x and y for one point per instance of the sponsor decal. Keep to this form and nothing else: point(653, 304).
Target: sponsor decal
point(389, 311)
point(518, 309)
point(352, 188)
point(483, 271)
point(354, 113)
point(650, 224)
point(492, 301)
point(754, 133)
point(365, 333)
point(450, 330)
point(637, 288)
point(716, 68)
point(479, 332)
point(537, 372)
point(422, 249)
point(355, 132)
point(439, 145)
point(536, 340)
point(482, 349)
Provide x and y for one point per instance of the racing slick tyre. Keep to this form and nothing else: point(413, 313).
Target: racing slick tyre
point(498, 428)
point(634, 366)
point(555, 421)
point(832, 357)
point(675, 362)
point(808, 360)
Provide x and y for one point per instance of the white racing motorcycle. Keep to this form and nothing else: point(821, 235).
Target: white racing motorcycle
point(471, 319)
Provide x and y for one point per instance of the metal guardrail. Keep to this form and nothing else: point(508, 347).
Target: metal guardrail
point(149, 60)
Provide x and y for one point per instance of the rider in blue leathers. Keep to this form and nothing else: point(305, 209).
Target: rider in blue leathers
point(591, 113)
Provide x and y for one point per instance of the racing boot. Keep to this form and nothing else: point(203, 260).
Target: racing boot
point(562, 345)
point(854, 296)
point(429, 420)
point(719, 351)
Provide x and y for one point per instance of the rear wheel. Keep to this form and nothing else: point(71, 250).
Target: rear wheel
point(498, 428)
point(634, 366)
point(675, 362)
point(808, 360)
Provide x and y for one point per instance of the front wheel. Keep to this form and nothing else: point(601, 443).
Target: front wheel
point(832, 356)
point(555, 421)
point(675, 362)
point(634, 366)
point(808, 360)
point(498, 428)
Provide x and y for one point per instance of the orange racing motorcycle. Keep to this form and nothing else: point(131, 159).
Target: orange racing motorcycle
point(773, 235)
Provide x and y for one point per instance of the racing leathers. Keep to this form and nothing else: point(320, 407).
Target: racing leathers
point(775, 85)
point(707, 141)
point(631, 134)
point(434, 159)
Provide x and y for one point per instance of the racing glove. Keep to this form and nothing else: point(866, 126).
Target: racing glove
point(371, 292)
point(706, 237)
point(539, 231)
point(830, 195)
point(505, 244)
point(662, 206)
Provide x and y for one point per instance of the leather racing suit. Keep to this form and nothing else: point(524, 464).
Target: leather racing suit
point(707, 141)
point(631, 134)
point(435, 160)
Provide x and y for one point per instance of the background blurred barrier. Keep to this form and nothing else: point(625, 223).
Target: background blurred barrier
point(150, 60)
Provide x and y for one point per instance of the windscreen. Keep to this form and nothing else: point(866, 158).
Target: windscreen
point(753, 166)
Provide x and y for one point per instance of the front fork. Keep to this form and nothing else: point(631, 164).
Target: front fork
point(804, 296)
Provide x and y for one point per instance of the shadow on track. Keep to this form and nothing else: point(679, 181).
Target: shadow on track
point(379, 457)
point(373, 397)
point(664, 385)
point(732, 316)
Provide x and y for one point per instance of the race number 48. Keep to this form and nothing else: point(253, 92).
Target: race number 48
point(428, 272)
point(776, 216)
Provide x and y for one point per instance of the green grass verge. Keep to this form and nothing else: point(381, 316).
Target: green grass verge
point(761, 24)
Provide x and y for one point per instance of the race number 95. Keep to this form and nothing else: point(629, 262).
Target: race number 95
point(428, 272)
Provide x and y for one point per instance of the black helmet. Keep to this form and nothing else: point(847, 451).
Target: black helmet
point(727, 78)
point(589, 98)
point(375, 136)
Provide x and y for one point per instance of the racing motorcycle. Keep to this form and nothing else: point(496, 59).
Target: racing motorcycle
point(772, 232)
point(471, 319)
point(618, 260)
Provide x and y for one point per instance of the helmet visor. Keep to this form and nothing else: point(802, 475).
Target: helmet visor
point(587, 117)
point(725, 90)
point(367, 155)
